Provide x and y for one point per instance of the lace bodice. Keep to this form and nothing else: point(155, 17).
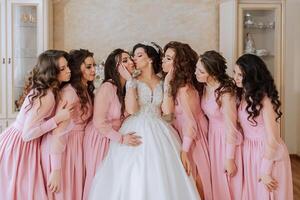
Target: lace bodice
point(150, 101)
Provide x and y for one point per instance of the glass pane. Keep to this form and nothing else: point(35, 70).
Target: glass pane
point(259, 35)
point(24, 46)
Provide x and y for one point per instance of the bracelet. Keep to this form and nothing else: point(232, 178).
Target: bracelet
point(131, 83)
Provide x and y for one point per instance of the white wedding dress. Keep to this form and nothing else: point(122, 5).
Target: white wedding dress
point(151, 171)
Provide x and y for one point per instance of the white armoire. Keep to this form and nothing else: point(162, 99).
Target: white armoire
point(25, 33)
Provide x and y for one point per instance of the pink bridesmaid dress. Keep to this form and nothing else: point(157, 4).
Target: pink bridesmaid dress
point(64, 150)
point(21, 175)
point(224, 142)
point(192, 126)
point(264, 153)
point(103, 128)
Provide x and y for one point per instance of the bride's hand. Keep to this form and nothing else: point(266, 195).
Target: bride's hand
point(131, 139)
point(169, 76)
point(185, 161)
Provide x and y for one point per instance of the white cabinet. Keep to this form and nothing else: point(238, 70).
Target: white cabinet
point(25, 33)
point(253, 26)
point(2, 125)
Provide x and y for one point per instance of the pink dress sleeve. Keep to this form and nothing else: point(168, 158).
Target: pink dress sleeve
point(189, 131)
point(35, 124)
point(104, 99)
point(59, 135)
point(274, 146)
point(233, 136)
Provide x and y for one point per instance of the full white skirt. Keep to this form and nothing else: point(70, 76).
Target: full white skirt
point(151, 171)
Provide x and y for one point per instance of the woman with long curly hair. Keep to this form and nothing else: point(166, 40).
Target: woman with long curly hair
point(63, 150)
point(182, 89)
point(21, 174)
point(152, 170)
point(109, 112)
point(267, 165)
point(224, 140)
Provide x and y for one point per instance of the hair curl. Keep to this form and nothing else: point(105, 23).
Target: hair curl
point(185, 61)
point(42, 77)
point(112, 74)
point(257, 83)
point(215, 65)
point(77, 58)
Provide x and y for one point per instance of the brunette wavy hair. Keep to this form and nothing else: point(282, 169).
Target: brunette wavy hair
point(153, 54)
point(113, 76)
point(185, 61)
point(215, 65)
point(257, 83)
point(42, 77)
point(77, 58)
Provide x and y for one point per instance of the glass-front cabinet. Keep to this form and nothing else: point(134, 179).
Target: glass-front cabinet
point(260, 33)
point(26, 25)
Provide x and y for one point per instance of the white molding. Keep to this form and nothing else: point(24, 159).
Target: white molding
point(3, 93)
point(2, 125)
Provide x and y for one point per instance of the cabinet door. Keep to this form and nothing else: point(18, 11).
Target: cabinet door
point(3, 61)
point(2, 125)
point(25, 42)
point(260, 33)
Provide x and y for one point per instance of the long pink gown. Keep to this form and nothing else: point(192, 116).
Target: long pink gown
point(103, 128)
point(264, 153)
point(224, 142)
point(192, 126)
point(64, 150)
point(21, 175)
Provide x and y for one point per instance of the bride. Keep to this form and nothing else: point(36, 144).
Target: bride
point(152, 170)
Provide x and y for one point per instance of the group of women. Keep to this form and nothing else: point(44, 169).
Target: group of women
point(165, 124)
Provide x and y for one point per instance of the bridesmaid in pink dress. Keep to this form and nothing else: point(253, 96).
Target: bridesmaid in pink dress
point(181, 86)
point(267, 166)
point(63, 150)
point(21, 175)
point(108, 114)
point(224, 140)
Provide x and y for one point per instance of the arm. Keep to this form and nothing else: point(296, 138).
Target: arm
point(35, 124)
point(189, 131)
point(168, 104)
point(58, 139)
point(131, 97)
point(273, 145)
point(233, 136)
point(102, 103)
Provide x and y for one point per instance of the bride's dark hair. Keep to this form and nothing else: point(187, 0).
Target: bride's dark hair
point(257, 83)
point(154, 52)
